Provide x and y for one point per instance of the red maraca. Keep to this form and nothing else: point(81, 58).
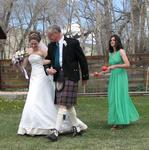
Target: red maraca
point(104, 68)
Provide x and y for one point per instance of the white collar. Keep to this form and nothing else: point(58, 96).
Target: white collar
point(62, 39)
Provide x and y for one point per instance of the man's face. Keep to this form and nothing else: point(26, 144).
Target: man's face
point(54, 37)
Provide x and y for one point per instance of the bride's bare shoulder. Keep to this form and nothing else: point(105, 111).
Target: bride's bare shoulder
point(43, 52)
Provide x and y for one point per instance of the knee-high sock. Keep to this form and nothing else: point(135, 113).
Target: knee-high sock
point(59, 120)
point(73, 116)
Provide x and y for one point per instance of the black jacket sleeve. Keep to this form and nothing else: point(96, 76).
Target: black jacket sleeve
point(82, 61)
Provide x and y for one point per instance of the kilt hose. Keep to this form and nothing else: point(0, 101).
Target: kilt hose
point(68, 96)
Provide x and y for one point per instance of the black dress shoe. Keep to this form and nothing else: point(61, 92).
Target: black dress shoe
point(76, 131)
point(54, 136)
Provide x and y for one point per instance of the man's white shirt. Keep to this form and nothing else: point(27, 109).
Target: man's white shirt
point(61, 41)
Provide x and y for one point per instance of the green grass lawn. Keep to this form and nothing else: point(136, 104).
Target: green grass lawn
point(93, 111)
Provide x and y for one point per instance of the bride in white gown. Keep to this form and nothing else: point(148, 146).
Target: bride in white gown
point(39, 113)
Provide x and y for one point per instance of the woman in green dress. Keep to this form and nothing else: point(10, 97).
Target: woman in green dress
point(121, 110)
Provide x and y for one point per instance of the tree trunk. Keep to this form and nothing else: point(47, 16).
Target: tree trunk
point(142, 27)
point(4, 25)
point(135, 15)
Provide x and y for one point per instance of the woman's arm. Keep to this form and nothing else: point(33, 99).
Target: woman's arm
point(25, 62)
point(44, 54)
point(45, 62)
point(126, 63)
point(103, 72)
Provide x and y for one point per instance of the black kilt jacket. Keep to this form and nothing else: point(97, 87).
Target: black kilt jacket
point(73, 59)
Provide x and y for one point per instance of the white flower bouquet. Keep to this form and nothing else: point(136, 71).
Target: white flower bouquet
point(17, 60)
point(19, 56)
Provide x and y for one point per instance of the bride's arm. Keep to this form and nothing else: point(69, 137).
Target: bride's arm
point(45, 62)
point(25, 61)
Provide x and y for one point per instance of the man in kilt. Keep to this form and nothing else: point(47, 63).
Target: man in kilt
point(66, 56)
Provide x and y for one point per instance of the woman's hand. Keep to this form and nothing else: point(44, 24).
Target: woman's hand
point(111, 67)
point(51, 71)
point(102, 73)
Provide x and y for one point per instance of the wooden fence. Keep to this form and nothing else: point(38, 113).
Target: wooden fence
point(11, 76)
point(12, 79)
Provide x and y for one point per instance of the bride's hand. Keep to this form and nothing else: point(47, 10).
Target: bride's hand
point(51, 71)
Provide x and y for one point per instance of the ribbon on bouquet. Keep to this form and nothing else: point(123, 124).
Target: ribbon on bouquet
point(25, 73)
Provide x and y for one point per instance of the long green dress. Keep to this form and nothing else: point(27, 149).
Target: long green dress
point(121, 108)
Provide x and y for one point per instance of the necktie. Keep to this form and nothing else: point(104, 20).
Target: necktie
point(57, 64)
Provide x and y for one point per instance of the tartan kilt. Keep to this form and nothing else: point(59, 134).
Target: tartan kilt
point(68, 96)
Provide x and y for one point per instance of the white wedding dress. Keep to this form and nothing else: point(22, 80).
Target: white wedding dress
point(40, 113)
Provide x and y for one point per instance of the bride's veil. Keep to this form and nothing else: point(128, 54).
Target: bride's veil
point(43, 46)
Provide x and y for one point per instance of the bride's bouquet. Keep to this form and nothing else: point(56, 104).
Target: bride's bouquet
point(17, 60)
point(19, 56)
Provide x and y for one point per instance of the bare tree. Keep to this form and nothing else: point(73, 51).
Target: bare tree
point(96, 20)
point(6, 11)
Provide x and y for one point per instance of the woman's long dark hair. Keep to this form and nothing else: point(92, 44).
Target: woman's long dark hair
point(117, 42)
